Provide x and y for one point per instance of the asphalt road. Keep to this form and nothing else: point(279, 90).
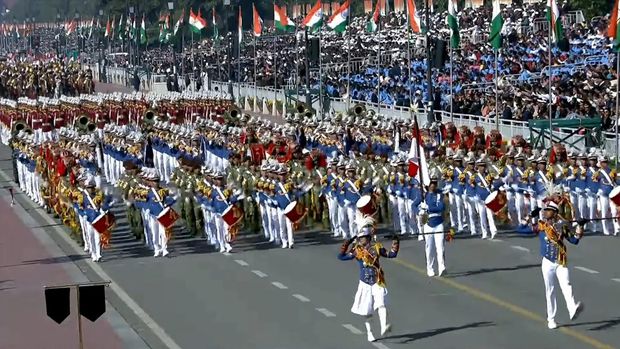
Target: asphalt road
point(266, 297)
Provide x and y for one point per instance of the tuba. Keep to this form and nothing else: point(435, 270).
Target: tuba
point(83, 121)
point(149, 116)
point(303, 110)
point(20, 126)
point(357, 110)
point(234, 112)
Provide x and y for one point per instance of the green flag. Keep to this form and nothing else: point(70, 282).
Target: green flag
point(497, 23)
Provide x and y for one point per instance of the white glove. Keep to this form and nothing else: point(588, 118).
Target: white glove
point(423, 206)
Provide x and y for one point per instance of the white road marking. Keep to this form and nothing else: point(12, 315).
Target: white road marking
point(352, 328)
point(227, 254)
point(587, 270)
point(279, 285)
point(301, 298)
point(157, 330)
point(380, 345)
point(326, 312)
point(241, 262)
point(616, 280)
point(496, 240)
point(520, 248)
point(259, 273)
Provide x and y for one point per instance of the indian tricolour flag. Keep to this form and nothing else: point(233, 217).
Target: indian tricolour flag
point(179, 22)
point(314, 19)
point(497, 23)
point(553, 15)
point(373, 23)
point(143, 39)
point(214, 23)
point(453, 24)
point(614, 29)
point(240, 28)
point(413, 18)
point(339, 20)
point(282, 21)
point(257, 22)
point(107, 28)
point(196, 22)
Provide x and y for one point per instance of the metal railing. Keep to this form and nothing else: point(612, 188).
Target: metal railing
point(508, 128)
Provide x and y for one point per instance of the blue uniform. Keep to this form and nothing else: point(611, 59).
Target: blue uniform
point(435, 204)
point(553, 250)
point(369, 273)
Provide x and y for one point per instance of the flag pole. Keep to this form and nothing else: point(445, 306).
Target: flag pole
point(451, 81)
point(321, 110)
point(239, 54)
point(348, 60)
point(496, 92)
point(409, 64)
point(255, 73)
point(550, 78)
point(378, 62)
point(192, 39)
point(296, 54)
point(275, 64)
point(275, 69)
point(617, 104)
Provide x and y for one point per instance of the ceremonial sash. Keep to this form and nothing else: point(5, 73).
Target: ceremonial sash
point(219, 191)
point(607, 177)
point(520, 172)
point(484, 182)
point(544, 177)
point(353, 186)
point(284, 191)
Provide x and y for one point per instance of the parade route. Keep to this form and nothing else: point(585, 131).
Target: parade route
point(261, 296)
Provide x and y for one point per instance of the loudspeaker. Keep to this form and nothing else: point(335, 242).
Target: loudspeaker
point(313, 50)
point(440, 53)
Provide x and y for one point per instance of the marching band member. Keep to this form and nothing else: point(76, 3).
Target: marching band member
point(468, 178)
point(262, 199)
point(285, 193)
point(354, 189)
point(343, 220)
point(414, 198)
point(520, 185)
point(570, 182)
point(94, 203)
point(222, 198)
point(432, 209)
point(484, 186)
point(592, 186)
point(553, 231)
point(457, 190)
point(330, 181)
point(607, 184)
point(371, 291)
point(158, 199)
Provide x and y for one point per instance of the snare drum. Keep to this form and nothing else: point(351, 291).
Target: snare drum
point(232, 215)
point(295, 211)
point(496, 201)
point(167, 217)
point(104, 222)
point(366, 205)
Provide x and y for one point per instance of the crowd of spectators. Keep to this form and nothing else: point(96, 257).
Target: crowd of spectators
point(390, 66)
